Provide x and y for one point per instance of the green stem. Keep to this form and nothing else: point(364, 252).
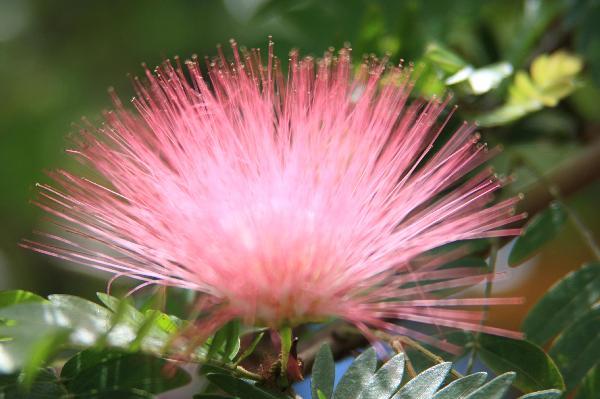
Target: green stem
point(285, 333)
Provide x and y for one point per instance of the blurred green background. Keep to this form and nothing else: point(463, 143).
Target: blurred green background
point(57, 59)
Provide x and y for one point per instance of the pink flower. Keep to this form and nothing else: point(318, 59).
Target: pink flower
point(283, 200)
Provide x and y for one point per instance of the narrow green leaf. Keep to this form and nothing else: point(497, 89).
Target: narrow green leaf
point(495, 389)
point(424, 385)
point(232, 343)
point(567, 300)
point(590, 386)
point(102, 371)
point(217, 342)
point(577, 350)
point(321, 395)
point(547, 394)
point(386, 380)
point(541, 229)
point(323, 373)
point(240, 388)
point(535, 369)
point(12, 297)
point(357, 376)
point(462, 387)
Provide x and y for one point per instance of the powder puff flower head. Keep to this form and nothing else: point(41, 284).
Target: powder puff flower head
point(282, 200)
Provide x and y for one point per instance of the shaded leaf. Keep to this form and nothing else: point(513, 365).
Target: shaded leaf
point(567, 300)
point(240, 388)
point(323, 373)
point(357, 375)
point(577, 350)
point(535, 369)
point(462, 387)
point(541, 229)
point(424, 385)
point(386, 380)
point(108, 371)
point(44, 386)
point(590, 385)
point(495, 389)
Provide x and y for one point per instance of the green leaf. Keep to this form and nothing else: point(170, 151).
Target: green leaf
point(541, 229)
point(102, 371)
point(211, 396)
point(45, 386)
point(225, 344)
point(462, 387)
point(33, 322)
point(386, 380)
point(40, 352)
point(444, 59)
point(8, 298)
point(323, 373)
point(547, 394)
point(495, 389)
point(577, 350)
point(424, 385)
point(74, 303)
point(551, 78)
point(357, 376)
point(590, 386)
point(566, 301)
point(240, 388)
point(232, 344)
point(535, 369)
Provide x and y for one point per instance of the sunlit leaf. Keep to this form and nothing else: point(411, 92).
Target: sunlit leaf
point(462, 387)
point(425, 384)
point(567, 300)
point(323, 373)
point(495, 389)
point(386, 380)
point(478, 81)
point(547, 394)
point(551, 78)
point(357, 376)
point(13, 297)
